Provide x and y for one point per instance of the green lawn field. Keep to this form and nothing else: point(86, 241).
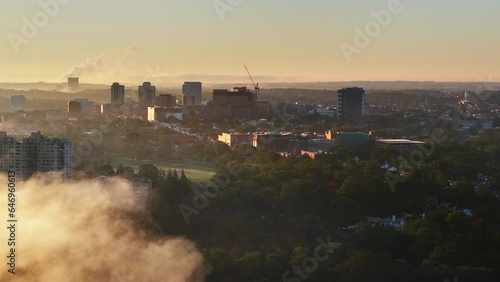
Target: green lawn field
point(196, 172)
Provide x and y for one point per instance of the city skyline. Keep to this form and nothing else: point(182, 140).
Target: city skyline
point(210, 41)
point(238, 140)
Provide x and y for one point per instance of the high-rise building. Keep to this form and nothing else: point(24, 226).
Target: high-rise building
point(237, 102)
point(188, 100)
point(351, 103)
point(117, 94)
point(147, 95)
point(17, 103)
point(166, 100)
point(37, 153)
point(240, 99)
point(73, 83)
point(193, 89)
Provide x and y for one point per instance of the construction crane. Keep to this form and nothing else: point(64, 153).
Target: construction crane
point(255, 86)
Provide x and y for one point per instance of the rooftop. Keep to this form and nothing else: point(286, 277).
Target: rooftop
point(398, 141)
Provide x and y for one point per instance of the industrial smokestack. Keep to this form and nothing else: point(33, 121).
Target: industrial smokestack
point(73, 83)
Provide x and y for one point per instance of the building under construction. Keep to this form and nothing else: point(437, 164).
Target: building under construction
point(237, 102)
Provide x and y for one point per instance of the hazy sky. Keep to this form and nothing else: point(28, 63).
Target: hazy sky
point(285, 40)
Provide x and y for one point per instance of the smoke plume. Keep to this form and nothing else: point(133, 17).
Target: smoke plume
point(104, 64)
point(76, 231)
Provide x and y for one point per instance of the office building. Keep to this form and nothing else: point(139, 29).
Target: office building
point(147, 95)
point(319, 144)
point(262, 109)
point(166, 100)
point(218, 110)
point(17, 103)
point(351, 104)
point(81, 108)
point(349, 139)
point(327, 112)
point(357, 142)
point(193, 89)
point(74, 109)
point(404, 146)
point(37, 153)
point(240, 99)
point(274, 142)
point(188, 100)
point(295, 109)
point(161, 114)
point(117, 94)
point(112, 109)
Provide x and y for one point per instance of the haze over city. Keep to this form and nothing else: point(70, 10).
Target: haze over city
point(250, 141)
point(282, 40)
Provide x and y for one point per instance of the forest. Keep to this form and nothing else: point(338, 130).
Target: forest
point(269, 218)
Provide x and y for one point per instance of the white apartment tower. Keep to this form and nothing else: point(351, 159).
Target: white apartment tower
point(37, 153)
